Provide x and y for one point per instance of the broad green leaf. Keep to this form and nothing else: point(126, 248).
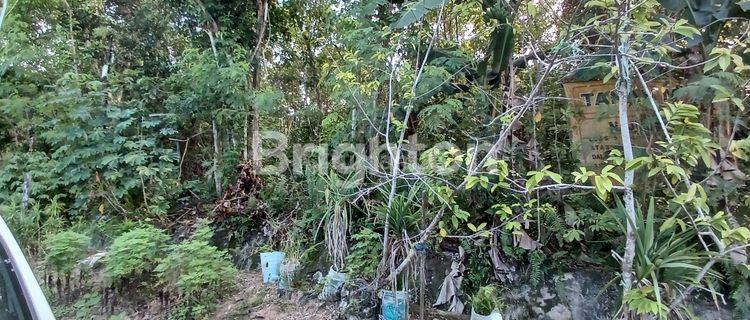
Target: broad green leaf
point(667, 224)
point(555, 176)
point(415, 11)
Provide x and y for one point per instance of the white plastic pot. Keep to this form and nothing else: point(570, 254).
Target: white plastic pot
point(495, 315)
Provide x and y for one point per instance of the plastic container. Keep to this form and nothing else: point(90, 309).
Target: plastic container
point(270, 265)
point(495, 315)
point(394, 305)
point(332, 284)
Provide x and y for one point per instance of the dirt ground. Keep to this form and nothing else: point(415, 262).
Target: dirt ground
point(254, 300)
point(258, 301)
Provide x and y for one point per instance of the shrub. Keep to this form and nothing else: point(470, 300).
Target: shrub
point(199, 272)
point(24, 224)
point(364, 255)
point(65, 250)
point(135, 253)
point(486, 300)
point(30, 226)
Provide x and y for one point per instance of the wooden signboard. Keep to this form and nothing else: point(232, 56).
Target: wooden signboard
point(594, 124)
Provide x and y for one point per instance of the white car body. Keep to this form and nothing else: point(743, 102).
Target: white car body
point(21, 297)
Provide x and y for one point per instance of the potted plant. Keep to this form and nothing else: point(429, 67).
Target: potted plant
point(486, 304)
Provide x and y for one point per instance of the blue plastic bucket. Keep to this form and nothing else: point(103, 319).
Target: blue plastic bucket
point(393, 305)
point(270, 265)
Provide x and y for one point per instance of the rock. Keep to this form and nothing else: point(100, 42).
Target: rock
point(437, 266)
point(705, 309)
point(582, 295)
point(574, 295)
point(93, 260)
point(436, 314)
point(358, 301)
point(537, 310)
point(317, 277)
point(544, 295)
point(559, 312)
point(586, 294)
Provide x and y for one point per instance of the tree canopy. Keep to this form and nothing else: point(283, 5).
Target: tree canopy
point(543, 135)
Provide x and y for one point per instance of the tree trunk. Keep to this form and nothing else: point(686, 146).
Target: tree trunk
point(108, 60)
point(26, 190)
point(245, 138)
point(26, 187)
point(627, 148)
point(353, 124)
point(255, 67)
point(623, 91)
point(217, 172)
point(212, 29)
point(3, 12)
point(213, 45)
point(255, 144)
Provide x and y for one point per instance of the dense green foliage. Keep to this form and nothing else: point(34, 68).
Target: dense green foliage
point(486, 300)
point(178, 139)
point(199, 272)
point(363, 255)
point(65, 250)
point(135, 253)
